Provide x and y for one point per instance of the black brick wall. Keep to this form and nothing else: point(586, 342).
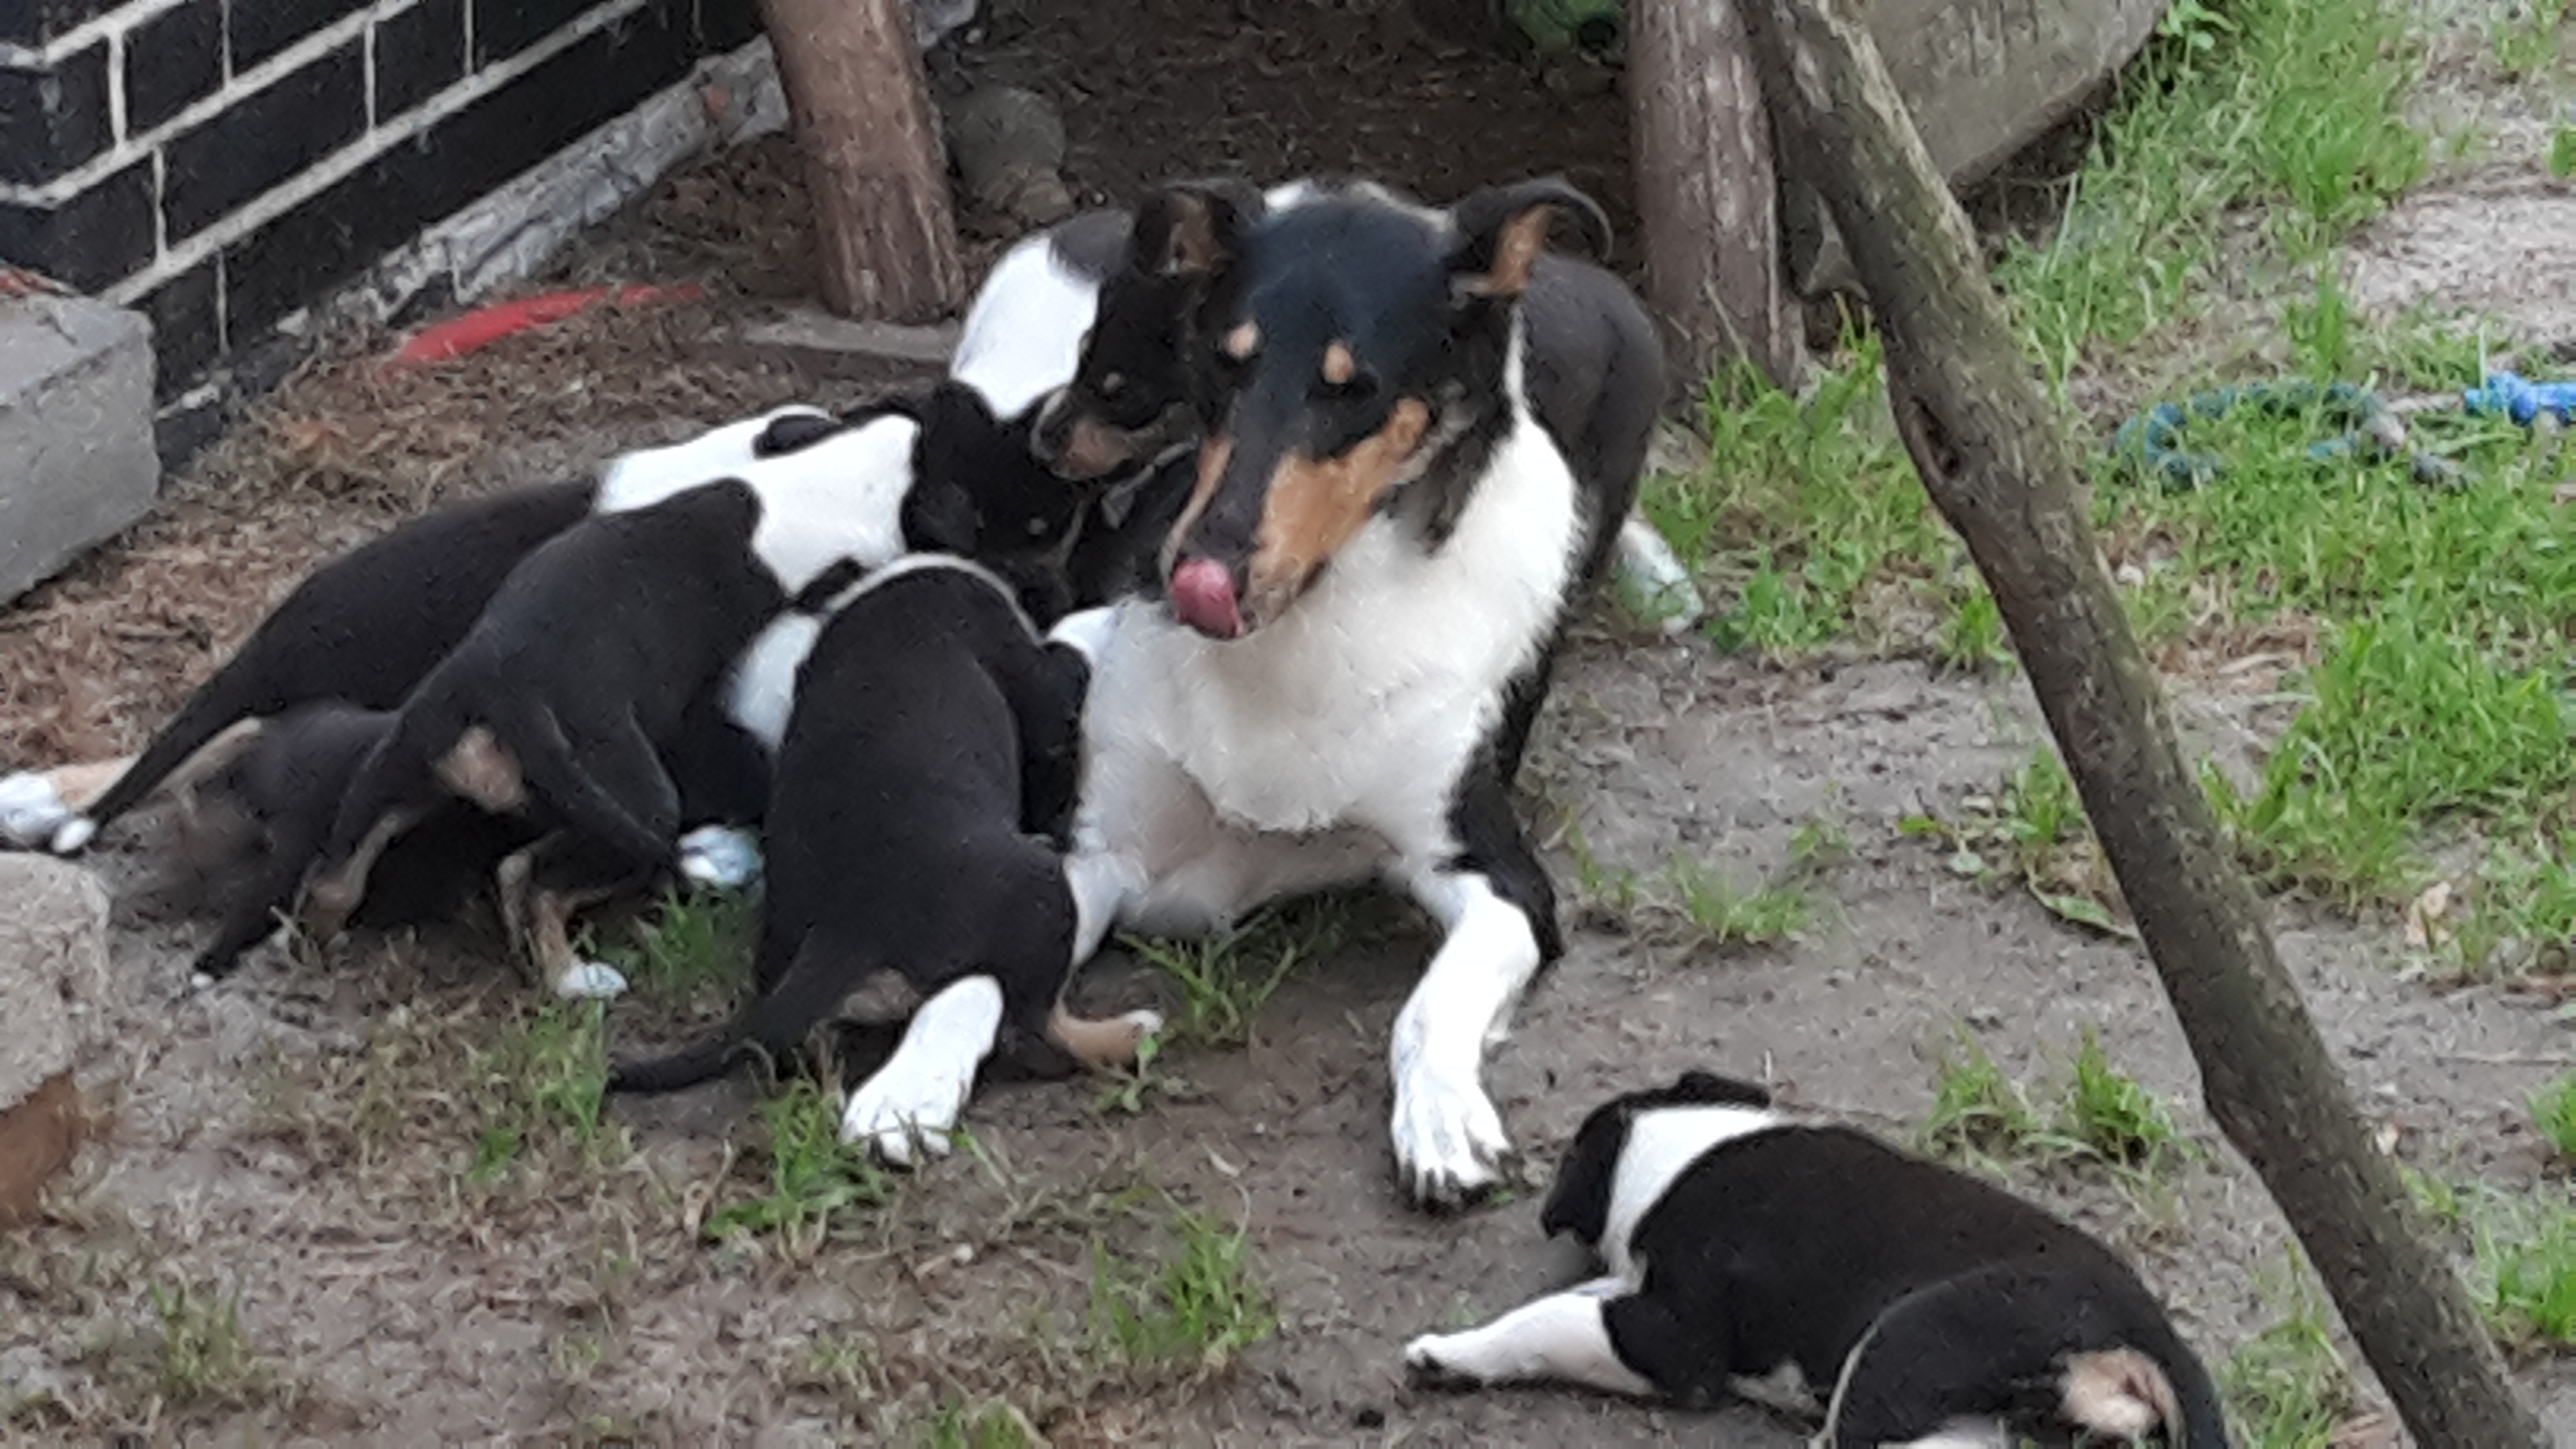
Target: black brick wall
point(262, 140)
point(98, 237)
point(418, 52)
point(262, 28)
point(172, 59)
point(221, 311)
point(54, 119)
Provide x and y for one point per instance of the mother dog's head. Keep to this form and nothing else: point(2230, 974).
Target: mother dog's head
point(1349, 359)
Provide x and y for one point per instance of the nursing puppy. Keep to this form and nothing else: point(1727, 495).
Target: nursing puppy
point(1940, 1309)
point(933, 743)
point(581, 674)
point(1381, 540)
point(260, 798)
point(365, 627)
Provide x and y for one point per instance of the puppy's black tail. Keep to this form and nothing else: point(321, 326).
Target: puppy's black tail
point(773, 1025)
point(546, 758)
point(236, 692)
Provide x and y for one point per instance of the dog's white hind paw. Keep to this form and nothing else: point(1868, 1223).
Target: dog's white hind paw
point(590, 981)
point(31, 810)
point(720, 856)
point(1449, 1141)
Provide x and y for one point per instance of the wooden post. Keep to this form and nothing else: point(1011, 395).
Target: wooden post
point(1991, 453)
point(885, 234)
point(1705, 189)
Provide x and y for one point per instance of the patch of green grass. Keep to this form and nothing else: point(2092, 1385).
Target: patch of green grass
point(694, 945)
point(1194, 1312)
point(2290, 105)
point(1720, 912)
point(2522, 914)
point(201, 1357)
point(1803, 511)
point(1226, 979)
point(2287, 1387)
point(2562, 152)
point(2409, 722)
point(813, 1179)
point(2113, 1116)
point(2528, 42)
point(541, 1086)
point(2553, 1112)
point(2032, 830)
point(1973, 637)
point(1979, 1113)
point(2522, 1248)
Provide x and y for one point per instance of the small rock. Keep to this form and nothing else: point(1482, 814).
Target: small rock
point(1008, 147)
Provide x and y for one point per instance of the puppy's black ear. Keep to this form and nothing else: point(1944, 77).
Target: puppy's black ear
point(1502, 229)
point(1191, 228)
point(793, 433)
point(1709, 1087)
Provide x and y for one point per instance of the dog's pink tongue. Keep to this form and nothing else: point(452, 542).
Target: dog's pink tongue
point(1203, 597)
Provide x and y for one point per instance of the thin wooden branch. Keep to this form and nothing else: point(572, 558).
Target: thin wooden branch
point(1998, 466)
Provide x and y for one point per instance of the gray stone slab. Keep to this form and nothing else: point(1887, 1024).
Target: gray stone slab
point(53, 969)
point(1985, 78)
point(76, 457)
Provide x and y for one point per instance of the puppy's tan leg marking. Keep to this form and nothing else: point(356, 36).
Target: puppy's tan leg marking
point(333, 896)
point(481, 769)
point(211, 759)
point(1102, 1045)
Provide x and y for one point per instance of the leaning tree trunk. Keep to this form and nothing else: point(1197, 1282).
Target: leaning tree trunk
point(1998, 467)
point(1705, 190)
point(884, 232)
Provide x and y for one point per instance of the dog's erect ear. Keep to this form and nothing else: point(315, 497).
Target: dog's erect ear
point(1502, 229)
point(1191, 228)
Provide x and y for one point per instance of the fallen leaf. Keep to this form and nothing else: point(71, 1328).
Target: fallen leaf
point(2424, 915)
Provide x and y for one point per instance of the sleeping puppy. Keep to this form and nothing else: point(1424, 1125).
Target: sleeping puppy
point(259, 798)
point(366, 626)
point(580, 676)
point(1941, 1309)
point(934, 741)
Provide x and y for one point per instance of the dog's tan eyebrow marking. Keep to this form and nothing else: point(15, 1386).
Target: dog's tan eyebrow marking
point(1339, 366)
point(1240, 342)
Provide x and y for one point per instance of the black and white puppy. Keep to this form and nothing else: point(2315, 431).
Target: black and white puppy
point(933, 745)
point(1380, 541)
point(1941, 1310)
point(580, 676)
point(365, 627)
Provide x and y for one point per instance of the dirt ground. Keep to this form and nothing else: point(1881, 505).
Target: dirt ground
point(300, 1141)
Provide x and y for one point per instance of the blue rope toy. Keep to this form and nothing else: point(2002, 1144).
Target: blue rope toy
point(2522, 400)
point(2151, 441)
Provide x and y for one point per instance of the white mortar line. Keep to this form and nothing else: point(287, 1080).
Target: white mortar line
point(114, 22)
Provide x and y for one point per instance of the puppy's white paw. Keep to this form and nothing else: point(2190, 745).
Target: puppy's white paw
point(590, 981)
point(1437, 1357)
point(720, 856)
point(1449, 1140)
point(894, 1111)
point(74, 836)
point(31, 810)
point(1087, 630)
point(1147, 1021)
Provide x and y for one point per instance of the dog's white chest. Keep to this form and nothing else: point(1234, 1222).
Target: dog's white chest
point(1362, 704)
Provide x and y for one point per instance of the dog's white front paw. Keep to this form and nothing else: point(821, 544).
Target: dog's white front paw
point(1449, 1140)
point(31, 810)
point(892, 1112)
point(721, 856)
point(590, 981)
point(1087, 630)
point(74, 836)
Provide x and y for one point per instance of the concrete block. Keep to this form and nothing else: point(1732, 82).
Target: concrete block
point(53, 1002)
point(77, 461)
